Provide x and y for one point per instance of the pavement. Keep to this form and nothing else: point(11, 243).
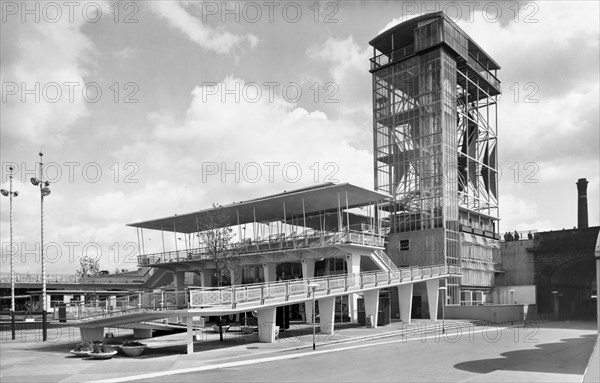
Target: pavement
point(27, 359)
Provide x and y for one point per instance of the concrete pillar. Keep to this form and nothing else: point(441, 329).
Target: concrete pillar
point(142, 333)
point(179, 277)
point(405, 295)
point(91, 333)
point(266, 322)
point(308, 271)
point(353, 267)
point(270, 270)
point(111, 302)
point(372, 304)
point(190, 334)
point(206, 277)
point(327, 314)
point(432, 297)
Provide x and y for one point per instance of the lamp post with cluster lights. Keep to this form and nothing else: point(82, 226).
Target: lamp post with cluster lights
point(44, 192)
point(10, 193)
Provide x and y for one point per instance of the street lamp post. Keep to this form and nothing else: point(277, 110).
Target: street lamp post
point(10, 193)
point(443, 288)
point(44, 191)
point(313, 286)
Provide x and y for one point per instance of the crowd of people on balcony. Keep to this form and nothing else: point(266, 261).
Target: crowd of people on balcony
point(514, 236)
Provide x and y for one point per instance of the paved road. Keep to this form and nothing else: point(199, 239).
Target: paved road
point(513, 354)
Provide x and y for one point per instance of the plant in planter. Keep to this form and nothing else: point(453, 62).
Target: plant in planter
point(83, 348)
point(133, 348)
point(102, 351)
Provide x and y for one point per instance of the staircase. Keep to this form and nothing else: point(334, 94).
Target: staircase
point(159, 278)
point(383, 261)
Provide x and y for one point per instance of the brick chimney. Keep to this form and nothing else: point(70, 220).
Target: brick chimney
point(582, 206)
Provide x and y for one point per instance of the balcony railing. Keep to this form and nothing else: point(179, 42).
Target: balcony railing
point(490, 78)
point(275, 243)
point(386, 58)
point(290, 291)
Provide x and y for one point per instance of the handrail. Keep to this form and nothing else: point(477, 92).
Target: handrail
point(297, 290)
point(385, 259)
point(315, 240)
point(252, 295)
point(74, 279)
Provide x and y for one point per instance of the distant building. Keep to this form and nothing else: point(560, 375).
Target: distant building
point(558, 265)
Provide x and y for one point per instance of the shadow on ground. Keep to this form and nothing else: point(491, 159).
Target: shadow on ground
point(544, 358)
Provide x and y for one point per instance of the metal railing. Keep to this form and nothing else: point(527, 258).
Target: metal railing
point(386, 58)
point(255, 295)
point(385, 259)
point(73, 279)
point(279, 243)
point(290, 291)
point(140, 302)
point(489, 77)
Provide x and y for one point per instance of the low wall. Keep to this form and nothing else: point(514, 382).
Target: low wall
point(525, 295)
point(490, 313)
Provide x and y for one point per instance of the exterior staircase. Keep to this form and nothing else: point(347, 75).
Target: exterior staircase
point(158, 278)
point(383, 261)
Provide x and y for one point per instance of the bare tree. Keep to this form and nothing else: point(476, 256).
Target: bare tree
point(88, 266)
point(217, 235)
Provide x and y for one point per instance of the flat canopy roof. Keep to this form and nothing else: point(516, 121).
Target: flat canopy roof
point(403, 34)
point(324, 197)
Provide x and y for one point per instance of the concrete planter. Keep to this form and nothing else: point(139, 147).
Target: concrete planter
point(133, 350)
point(102, 355)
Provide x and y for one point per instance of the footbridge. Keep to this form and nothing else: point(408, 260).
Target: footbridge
point(264, 298)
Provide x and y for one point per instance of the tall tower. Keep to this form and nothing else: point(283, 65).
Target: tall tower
point(435, 148)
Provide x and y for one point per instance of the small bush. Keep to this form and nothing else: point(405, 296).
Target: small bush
point(84, 346)
point(101, 348)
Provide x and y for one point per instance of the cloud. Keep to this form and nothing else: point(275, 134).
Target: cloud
point(253, 148)
point(40, 106)
point(216, 40)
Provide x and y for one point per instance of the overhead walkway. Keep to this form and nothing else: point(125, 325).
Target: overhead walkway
point(265, 297)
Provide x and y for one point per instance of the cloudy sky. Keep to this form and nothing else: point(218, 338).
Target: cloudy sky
point(144, 110)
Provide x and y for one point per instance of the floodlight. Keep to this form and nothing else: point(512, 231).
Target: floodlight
point(15, 194)
point(4, 192)
point(34, 181)
point(45, 191)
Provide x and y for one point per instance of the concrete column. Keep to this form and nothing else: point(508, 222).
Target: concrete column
point(179, 277)
point(432, 297)
point(142, 333)
point(111, 302)
point(91, 333)
point(206, 277)
point(270, 270)
point(327, 314)
point(266, 322)
point(372, 304)
point(353, 267)
point(308, 271)
point(190, 334)
point(405, 295)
